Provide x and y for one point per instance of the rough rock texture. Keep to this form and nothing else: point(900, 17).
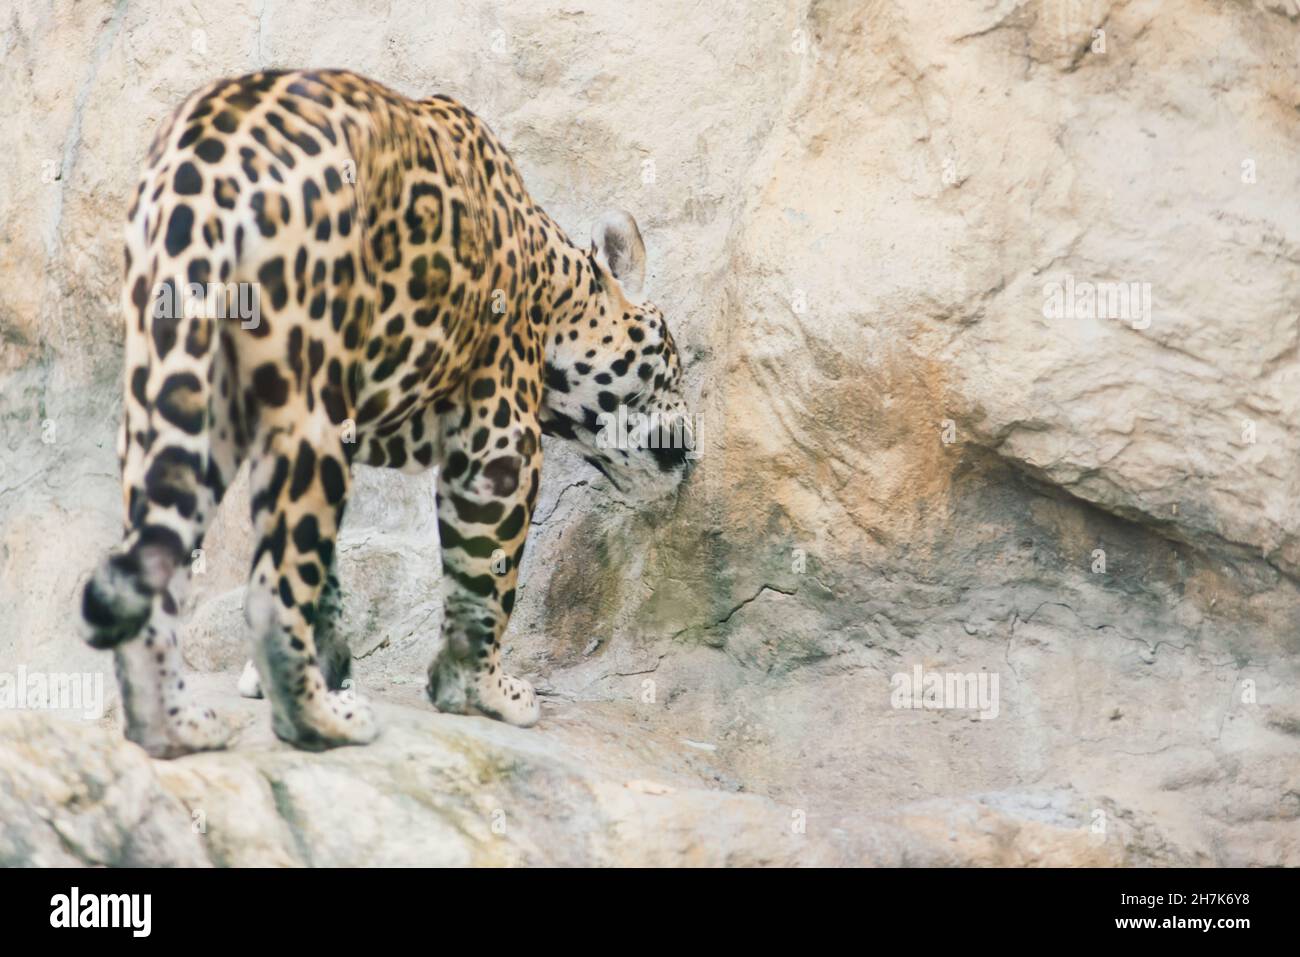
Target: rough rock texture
point(447, 791)
point(854, 213)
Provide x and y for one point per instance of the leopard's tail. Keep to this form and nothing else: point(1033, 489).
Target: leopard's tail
point(165, 445)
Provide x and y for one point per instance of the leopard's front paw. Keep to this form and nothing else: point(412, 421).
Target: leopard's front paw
point(448, 686)
point(506, 698)
point(250, 682)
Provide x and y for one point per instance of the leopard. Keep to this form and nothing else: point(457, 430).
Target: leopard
point(414, 309)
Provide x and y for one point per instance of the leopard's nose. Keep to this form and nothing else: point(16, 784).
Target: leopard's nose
point(671, 457)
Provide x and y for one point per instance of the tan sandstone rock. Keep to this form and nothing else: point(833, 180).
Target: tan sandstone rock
point(853, 215)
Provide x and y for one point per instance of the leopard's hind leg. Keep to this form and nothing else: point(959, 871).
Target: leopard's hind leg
point(174, 477)
point(161, 715)
point(332, 649)
point(300, 479)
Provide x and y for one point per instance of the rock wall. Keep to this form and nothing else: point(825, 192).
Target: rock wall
point(992, 313)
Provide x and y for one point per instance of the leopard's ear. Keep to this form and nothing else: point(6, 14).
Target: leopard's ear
point(618, 246)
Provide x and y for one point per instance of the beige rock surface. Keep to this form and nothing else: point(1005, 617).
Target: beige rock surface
point(441, 790)
point(852, 213)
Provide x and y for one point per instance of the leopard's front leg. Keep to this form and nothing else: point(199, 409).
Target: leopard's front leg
point(486, 489)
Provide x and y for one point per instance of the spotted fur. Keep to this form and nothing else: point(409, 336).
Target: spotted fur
point(417, 309)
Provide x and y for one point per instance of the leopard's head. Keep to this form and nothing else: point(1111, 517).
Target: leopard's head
point(613, 376)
